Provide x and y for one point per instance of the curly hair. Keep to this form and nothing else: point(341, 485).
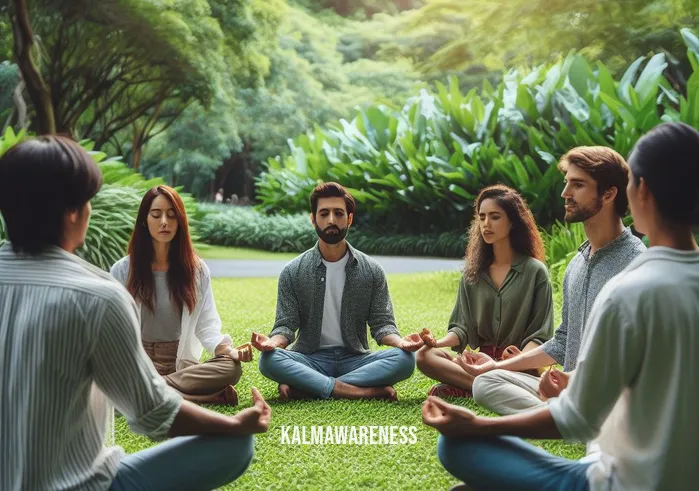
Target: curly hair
point(524, 235)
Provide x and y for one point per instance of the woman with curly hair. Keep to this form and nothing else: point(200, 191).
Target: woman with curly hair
point(172, 287)
point(504, 305)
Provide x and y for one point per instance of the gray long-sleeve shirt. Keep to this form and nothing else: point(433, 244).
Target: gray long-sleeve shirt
point(301, 297)
point(583, 280)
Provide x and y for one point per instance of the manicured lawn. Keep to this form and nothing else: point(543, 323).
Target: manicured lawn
point(208, 251)
point(420, 300)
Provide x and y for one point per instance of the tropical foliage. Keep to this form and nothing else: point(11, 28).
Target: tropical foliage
point(210, 93)
point(561, 244)
point(417, 170)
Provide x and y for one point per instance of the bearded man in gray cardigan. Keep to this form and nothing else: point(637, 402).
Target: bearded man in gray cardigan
point(326, 298)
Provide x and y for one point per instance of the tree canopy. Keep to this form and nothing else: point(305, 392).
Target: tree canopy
point(203, 92)
point(506, 33)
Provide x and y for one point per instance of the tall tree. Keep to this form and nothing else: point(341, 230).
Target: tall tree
point(39, 90)
point(129, 68)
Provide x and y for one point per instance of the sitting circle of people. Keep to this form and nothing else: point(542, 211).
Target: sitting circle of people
point(617, 373)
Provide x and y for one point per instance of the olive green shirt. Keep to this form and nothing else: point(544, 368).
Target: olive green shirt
point(519, 312)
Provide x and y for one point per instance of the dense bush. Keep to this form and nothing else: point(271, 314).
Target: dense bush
point(417, 170)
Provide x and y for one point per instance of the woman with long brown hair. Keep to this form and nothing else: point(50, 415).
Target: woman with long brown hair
point(172, 287)
point(504, 304)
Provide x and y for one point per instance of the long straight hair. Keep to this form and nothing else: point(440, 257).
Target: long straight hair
point(524, 236)
point(182, 262)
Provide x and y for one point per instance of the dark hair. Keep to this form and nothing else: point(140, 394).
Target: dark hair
point(606, 167)
point(40, 180)
point(182, 262)
point(524, 235)
point(667, 158)
point(331, 190)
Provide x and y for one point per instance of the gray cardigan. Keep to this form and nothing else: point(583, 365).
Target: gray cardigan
point(301, 297)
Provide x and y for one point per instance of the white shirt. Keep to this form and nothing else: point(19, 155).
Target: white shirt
point(331, 333)
point(200, 327)
point(69, 334)
point(636, 378)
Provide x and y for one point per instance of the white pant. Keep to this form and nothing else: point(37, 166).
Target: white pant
point(505, 392)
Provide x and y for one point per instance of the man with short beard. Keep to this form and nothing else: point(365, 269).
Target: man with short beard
point(326, 297)
point(595, 194)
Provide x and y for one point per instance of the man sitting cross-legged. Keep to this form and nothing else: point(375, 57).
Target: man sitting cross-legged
point(595, 194)
point(327, 296)
point(70, 348)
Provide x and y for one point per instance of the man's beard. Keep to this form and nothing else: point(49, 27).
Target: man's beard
point(337, 235)
point(580, 214)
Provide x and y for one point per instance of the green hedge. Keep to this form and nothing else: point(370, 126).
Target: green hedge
point(246, 227)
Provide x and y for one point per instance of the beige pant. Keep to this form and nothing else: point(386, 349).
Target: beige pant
point(505, 392)
point(197, 379)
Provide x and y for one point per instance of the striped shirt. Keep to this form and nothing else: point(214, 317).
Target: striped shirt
point(69, 346)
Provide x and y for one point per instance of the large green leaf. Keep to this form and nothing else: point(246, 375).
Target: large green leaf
point(627, 80)
point(619, 109)
point(691, 40)
point(647, 84)
point(526, 102)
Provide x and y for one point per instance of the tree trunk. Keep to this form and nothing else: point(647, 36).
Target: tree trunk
point(136, 149)
point(137, 152)
point(19, 103)
point(343, 8)
point(39, 91)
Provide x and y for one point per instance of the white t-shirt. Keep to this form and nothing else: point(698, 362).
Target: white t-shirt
point(636, 380)
point(331, 333)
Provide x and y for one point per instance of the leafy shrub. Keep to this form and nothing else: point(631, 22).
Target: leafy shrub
point(561, 244)
point(417, 170)
point(111, 223)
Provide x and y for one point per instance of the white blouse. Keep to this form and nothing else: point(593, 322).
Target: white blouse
point(201, 327)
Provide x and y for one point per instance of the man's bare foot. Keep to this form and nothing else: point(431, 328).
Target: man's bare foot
point(346, 391)
point(287, 393)
point(388, 393)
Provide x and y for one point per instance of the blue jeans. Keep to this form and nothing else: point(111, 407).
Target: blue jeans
point(506, 462)
point(187, 462)
point(316, 373)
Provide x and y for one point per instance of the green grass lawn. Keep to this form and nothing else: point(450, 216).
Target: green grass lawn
point(207, 251)
point(420, 300)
